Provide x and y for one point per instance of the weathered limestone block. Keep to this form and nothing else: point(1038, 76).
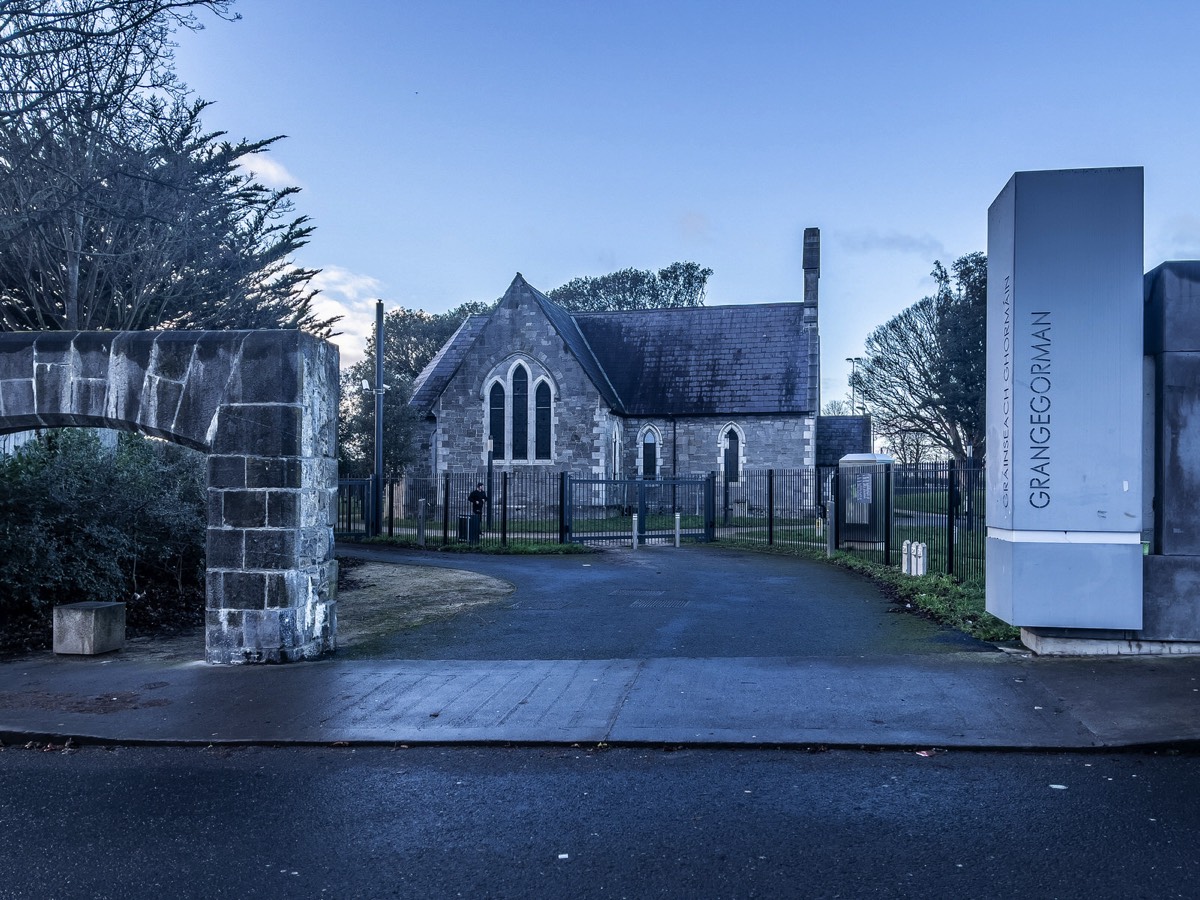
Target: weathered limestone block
point(89, 628)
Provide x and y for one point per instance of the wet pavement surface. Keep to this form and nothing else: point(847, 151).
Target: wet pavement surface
point(659, 646)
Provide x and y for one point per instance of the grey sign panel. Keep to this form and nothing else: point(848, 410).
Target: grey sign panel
point(1065, 585)
point(1064, 398)
point(1065, 351)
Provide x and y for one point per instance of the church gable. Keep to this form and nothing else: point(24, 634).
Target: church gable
point(519, 383)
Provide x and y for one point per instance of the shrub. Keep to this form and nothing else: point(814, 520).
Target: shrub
point(80, 521)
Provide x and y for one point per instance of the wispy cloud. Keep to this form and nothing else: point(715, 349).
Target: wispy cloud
point(1179, 238)
point(352, 296)
point(267, 170)
point(870, 241)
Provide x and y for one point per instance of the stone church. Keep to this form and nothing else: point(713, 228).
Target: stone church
point(633, 394)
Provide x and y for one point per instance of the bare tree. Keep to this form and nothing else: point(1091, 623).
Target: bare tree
point(49, 48)
point(903, 378)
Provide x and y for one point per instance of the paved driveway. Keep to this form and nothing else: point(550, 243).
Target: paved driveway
point(657, 602)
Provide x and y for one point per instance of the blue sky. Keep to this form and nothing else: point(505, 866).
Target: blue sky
point(444, 146)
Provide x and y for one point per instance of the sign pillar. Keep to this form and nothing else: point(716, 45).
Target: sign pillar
point(1064, 400)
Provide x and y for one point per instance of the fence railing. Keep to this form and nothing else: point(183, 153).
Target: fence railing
point(940, 505)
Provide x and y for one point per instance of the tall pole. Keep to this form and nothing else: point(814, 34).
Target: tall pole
point(379, 389)
point(490, 451)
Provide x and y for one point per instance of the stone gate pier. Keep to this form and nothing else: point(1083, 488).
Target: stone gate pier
point(263, 406)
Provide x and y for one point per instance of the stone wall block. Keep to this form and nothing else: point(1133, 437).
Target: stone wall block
point(258, 430)
point(245, 590)
point(172, 354)
point(272, 548)
point(243, 509)
point(226, 471)
point(127, 377)
point(274, 472)
point(214, 589)
point(89, 399)
point(225, 548)
point(316, 544)
point(276, 352)
point(16, 401)
point(93, 353)
point(160, 404)
point(283, 509)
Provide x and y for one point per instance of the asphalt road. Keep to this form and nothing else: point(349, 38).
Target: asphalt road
point(578, 822)
point(659, 602)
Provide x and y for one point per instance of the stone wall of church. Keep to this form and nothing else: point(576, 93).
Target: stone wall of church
point(580, 420)
point(695, 445)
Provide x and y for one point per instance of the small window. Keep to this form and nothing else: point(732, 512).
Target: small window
point(541, 423)
point(520, 414)
point(733, 457)
point(496, 420)
point(649, 456)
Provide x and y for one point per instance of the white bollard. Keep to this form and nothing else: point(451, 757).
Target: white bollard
point(635, 531)
point(922, 560)
point(906, 558)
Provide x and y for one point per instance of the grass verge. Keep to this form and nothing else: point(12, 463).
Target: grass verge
point(939, 597)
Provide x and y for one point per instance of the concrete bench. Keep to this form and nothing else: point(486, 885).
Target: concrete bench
point(89, 628)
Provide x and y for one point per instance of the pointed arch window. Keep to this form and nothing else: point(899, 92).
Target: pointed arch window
point(733, 456)
point(649, 455)
point(496, 420)
point(541, 423)
point(520, 413)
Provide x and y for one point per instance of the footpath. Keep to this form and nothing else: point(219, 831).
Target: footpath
point(656, 647)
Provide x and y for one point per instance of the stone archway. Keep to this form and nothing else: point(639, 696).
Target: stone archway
point(263, 406)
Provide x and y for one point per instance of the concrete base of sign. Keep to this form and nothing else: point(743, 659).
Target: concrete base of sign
point(89, 628)
point(1029, 583)
point(1070, 642)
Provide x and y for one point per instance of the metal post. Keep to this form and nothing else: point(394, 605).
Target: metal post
point(710, 507)
point(489, 483)
point(889, 514)
point(446, 513)
point(771, 507)
point(677, 531)
point(503, 509)
point(377, 525)
point(951, 489)
point(391, 516)
point(421, 522)
point(635, 530)
point(562, 507)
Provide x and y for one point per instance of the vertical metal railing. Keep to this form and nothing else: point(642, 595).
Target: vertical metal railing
point(938, 504)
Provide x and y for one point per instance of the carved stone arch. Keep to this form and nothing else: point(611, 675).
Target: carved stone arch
point(263, 406)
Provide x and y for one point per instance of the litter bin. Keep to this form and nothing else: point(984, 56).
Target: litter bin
point(468, 529)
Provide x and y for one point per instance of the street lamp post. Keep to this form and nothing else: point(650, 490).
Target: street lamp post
point(379, 389)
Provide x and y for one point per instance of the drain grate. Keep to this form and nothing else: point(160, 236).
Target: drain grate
point(658, 603)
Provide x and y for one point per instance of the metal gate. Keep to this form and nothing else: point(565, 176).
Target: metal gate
point(603, 509)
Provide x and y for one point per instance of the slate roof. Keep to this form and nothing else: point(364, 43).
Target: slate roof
point(438, 372)
point(714, 360)
point(706, 360)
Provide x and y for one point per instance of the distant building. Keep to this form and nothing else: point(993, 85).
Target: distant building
point(636, 394)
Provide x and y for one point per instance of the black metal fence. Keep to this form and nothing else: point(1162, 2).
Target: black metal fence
point(937, 505)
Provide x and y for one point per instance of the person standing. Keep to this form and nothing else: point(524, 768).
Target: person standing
point(478, 499)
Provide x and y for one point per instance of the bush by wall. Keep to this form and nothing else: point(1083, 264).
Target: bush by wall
point(83, 521)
